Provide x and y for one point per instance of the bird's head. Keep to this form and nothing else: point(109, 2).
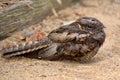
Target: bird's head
point(90, 24)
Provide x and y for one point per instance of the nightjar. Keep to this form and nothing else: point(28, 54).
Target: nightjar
point(79, 40)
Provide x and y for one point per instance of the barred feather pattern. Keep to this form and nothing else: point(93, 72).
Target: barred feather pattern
point(26, 47)
point(79, 40)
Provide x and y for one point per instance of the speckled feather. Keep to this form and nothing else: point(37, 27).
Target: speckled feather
point(26, 47)
point(79, 40)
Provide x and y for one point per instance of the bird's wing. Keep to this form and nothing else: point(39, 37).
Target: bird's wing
point(68, 33)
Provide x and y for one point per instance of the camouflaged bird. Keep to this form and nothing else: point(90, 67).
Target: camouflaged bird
point(79, 40)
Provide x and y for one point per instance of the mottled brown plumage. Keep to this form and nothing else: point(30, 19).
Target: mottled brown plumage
point(79, 40)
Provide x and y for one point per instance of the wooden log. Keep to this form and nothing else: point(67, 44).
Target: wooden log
point(24, 13)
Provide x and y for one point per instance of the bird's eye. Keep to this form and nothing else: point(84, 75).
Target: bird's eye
point(92, 20)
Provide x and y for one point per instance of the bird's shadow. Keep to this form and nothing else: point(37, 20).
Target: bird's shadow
point(34, 55)
point(95, 59)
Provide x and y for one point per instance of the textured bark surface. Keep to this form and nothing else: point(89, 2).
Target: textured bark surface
point(22, 14)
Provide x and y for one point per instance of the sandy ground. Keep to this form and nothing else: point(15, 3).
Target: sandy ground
point(104, 66)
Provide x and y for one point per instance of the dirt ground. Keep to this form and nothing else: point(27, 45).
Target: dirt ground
point(104, 66)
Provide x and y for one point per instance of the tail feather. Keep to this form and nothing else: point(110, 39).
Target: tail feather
point(25, 48)
point(11, 54)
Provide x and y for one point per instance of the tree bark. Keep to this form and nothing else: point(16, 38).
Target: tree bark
point(24, 13)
